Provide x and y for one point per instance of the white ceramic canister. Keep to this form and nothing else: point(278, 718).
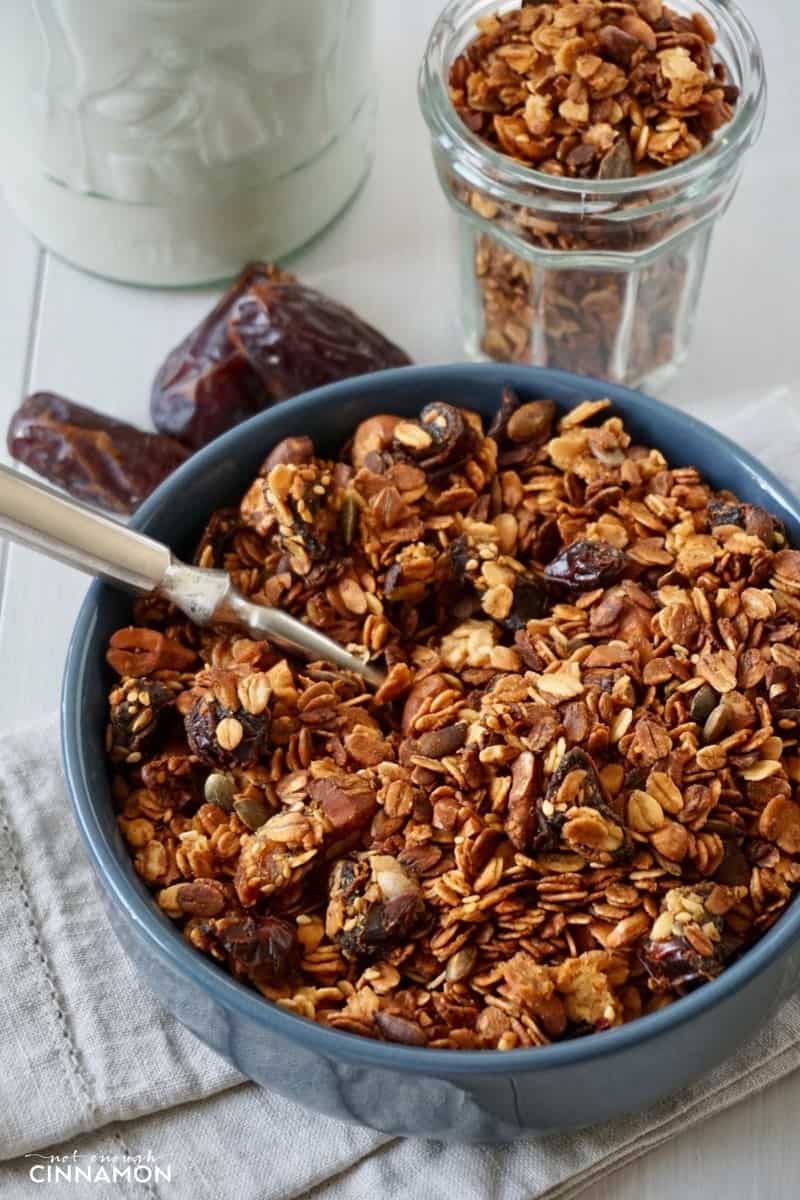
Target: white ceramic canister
point(170, 141)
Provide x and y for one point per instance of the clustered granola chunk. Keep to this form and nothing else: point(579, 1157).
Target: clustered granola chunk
point(585, 90)
point(574, 797)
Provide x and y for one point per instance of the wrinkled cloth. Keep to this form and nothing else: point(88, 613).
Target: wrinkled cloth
point(90, 1065)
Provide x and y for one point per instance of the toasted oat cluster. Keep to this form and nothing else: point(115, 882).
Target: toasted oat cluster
point(593, 89)
point(574, 797)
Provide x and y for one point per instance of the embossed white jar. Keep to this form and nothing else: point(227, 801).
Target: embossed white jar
point(170, 141)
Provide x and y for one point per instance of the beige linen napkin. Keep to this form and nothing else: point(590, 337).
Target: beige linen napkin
point(91, 1066)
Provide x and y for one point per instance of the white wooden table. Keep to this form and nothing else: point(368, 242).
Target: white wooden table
point(391, 257)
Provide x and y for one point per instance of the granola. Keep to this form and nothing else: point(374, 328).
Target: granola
point(573, 799)
point(589, 90)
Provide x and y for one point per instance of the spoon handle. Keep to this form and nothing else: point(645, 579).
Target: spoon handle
point(40, 517)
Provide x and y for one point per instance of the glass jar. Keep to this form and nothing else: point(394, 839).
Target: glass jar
point(171, 141)
point(594, 275)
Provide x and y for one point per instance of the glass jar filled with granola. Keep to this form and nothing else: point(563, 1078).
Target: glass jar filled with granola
point(587, 149)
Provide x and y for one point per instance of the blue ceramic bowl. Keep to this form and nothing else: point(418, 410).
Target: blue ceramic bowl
point(463, 1095)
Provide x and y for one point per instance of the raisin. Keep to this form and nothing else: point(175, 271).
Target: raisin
point(687, 944)
point(509, 403)
point(754, 520)
point(573, 814)
point(268, 338)
point(459, 554)
point(586, 565)
point(135, 716)
point(532, 601)
point(452, 439)
point(218, 537)
point(98, 460)
point(265, 948)
point(373, 902)
point(223, 738)
point(720, 512)
point(674, 963)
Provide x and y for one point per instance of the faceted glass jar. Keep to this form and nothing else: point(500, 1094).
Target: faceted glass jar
point(595, 275)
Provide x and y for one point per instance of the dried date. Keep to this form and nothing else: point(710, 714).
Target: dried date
point(206, 385)
point(296, 338)
point(98, 460)
point(268, 338)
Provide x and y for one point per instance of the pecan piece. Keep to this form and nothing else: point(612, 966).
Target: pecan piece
point(521, 815)
point(348, 802)
point(140, 652)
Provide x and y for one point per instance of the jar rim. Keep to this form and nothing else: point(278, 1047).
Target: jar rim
point(502, 173)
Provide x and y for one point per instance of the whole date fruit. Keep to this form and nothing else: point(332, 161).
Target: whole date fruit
point(268, 338)
point(93, 457)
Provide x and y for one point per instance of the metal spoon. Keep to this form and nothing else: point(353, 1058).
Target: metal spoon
point(40, 517)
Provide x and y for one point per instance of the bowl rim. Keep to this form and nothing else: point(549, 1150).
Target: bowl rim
point(187, 962)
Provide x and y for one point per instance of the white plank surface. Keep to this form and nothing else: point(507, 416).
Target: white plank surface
point(391, 257)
